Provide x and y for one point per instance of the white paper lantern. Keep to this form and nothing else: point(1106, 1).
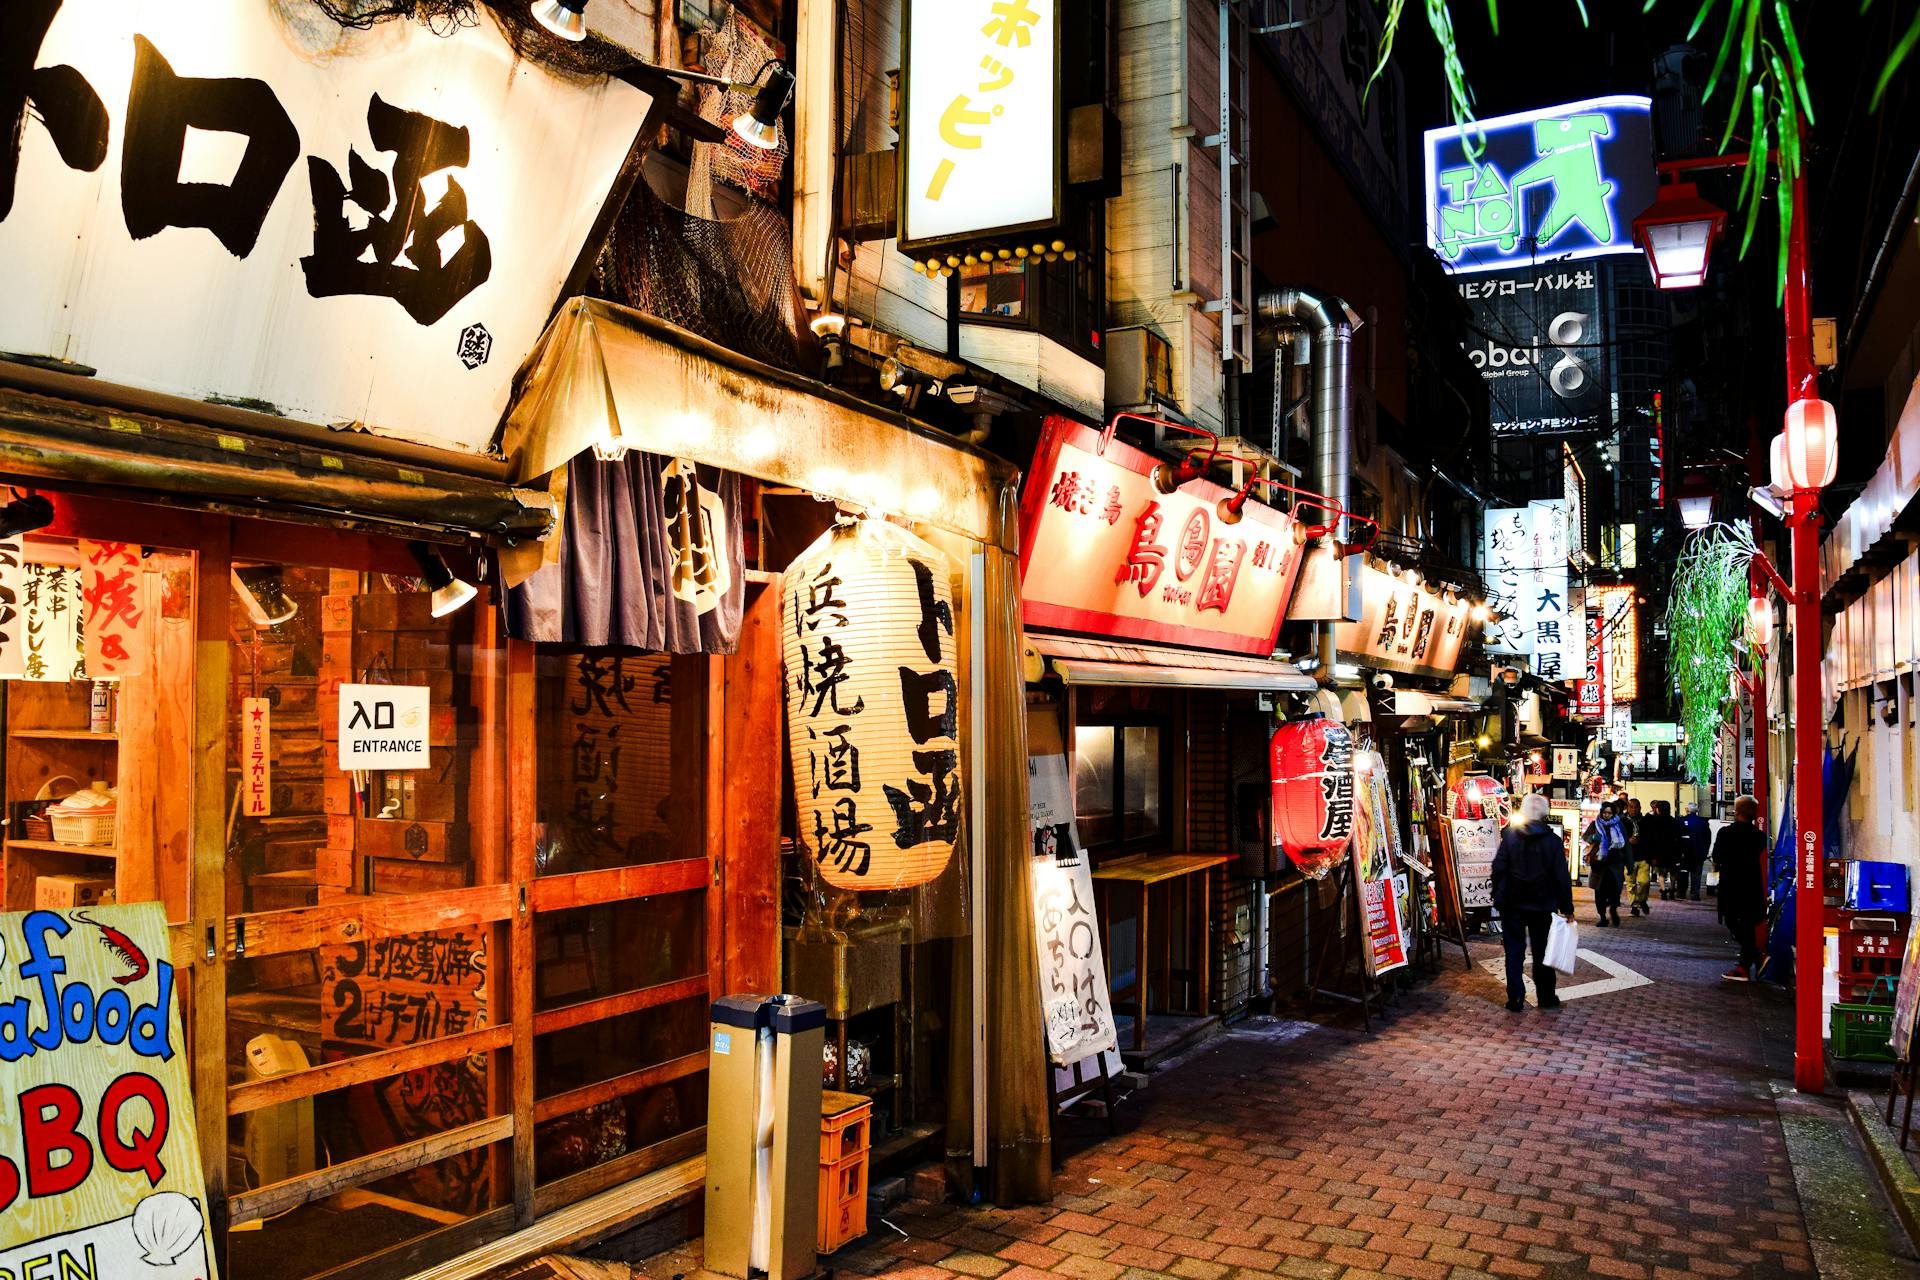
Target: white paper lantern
point(872, 688)
point(1813, 444)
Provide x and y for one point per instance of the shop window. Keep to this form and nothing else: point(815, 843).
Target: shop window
point(1119, 789)
point(1062, 300)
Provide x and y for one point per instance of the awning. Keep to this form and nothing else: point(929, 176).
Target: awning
point(1098, 662)
point(606, 375)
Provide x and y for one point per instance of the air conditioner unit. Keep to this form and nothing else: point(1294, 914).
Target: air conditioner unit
point(1139, 369)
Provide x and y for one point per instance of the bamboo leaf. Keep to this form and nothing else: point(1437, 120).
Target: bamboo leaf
point(1493, 15)
point(1389, 28)
point(1894, 59)
point(1786, 232)
point(1789, 137)
point(1700, 18)
point(1747, 34)
point(1581, 5)
point(1726, 46)
point(1753, 187)
point(1795, 63)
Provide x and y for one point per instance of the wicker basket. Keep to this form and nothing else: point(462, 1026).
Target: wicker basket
point(35, 824)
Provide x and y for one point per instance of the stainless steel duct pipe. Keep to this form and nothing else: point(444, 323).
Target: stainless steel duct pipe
point(1330, 324)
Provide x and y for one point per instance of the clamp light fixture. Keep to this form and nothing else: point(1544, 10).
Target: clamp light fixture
point(450, 593)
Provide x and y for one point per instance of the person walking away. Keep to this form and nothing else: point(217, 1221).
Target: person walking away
point(1740, 856)
point(1606, 860)
point(1696, 838)
point(1531, 884)
point(1660, 845)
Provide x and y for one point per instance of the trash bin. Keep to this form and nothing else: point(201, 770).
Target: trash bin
point(763, 1135)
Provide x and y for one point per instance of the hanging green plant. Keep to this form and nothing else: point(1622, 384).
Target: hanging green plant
point(1705, 618)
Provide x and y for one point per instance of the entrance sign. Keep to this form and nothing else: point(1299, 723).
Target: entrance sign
point(100, 1170)
point(980, 120)
point(1102, 550)
point(342, 226)
point(384, 726)
point(1563, 182)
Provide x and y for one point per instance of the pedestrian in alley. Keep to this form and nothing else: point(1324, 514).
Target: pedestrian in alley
point(1740, 856)
point(1606, 862)
point(1639, 874)
point(1660, 845)
point(1696, 840)
point(1531, 884)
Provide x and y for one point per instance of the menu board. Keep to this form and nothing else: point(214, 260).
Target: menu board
point(1074, 1001)
point(1475, 842)
point(1906, 994)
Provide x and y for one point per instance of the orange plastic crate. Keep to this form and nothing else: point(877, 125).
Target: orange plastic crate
point(846, 1125)
point(843, 1201)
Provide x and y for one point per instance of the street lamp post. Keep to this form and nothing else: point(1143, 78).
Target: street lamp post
point(1677, 232)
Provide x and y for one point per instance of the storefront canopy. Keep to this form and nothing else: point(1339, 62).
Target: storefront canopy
point(1095, 662)
point(610, 377)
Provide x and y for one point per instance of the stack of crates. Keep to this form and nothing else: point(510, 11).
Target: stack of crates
point(846, 1133)
point(1872, 921)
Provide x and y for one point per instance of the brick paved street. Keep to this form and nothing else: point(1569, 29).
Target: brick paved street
point(1632, 1134)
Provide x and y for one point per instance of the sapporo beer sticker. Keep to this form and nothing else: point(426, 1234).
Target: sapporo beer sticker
point(100, 1173)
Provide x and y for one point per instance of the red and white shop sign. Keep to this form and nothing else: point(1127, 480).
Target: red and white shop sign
point(116, 642)
point(1592, 686)
point(1403, 626)
point(1103, 551)
point(256, 757)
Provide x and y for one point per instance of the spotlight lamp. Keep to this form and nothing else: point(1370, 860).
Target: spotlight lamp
point(450, 594)
point(759, 125)
point(566, 19)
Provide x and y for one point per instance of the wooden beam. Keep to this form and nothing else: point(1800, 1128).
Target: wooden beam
point(592, 1095)
point(523, 774)
point(328, 1076)
point(614, 1006)
point(291, 1193)
point(207, 875)
point(615, 884)
point(270, 933)
point(578, 1186)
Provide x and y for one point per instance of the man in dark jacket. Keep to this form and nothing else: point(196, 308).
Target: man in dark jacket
point(1740, 856)
point(1696, 840)
point(1530, 884)
point(1660, 844)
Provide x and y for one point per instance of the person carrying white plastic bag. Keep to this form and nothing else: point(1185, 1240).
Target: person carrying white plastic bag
point(1563, 945)
point(1531, 885)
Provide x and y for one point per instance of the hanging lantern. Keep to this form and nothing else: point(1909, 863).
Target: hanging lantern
point(1777, 464)
point(872, 706)
point(1812, 451)
point(1480, 796)
point(1312, 767)
point(1759, 621)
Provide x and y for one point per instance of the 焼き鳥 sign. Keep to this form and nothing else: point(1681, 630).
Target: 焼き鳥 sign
point(111, 631)
point(384, 726)
point(1102, 550)
point(100, 1170)
point(873, 706)
point(341, 225)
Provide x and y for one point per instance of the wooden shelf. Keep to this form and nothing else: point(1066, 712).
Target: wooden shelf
point(64, 735)
point(54, 846)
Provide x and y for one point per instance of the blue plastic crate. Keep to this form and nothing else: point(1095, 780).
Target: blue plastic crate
point(1877, 886)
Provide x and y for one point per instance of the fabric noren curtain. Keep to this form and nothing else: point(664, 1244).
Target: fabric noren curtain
point(650, 558)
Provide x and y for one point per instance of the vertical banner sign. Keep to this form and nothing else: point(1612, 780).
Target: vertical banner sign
point(1620, 622)
point(52, 623)
point(1509, 561)
point(981, 102)
point(1592, 690)
point(872, 706)
point(1375, 844)
point(256, 757)
point(100, 1170)
point(111, 626)
point(1622, 728)
point(1548, 590)
point(1073, 984)
point(13, 621)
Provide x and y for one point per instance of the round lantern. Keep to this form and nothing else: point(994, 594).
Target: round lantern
point(1777, 464)
point(1312, 768)
point(1813, 444)
point(1480, 796)
point(1759, 621)
point(873, 707)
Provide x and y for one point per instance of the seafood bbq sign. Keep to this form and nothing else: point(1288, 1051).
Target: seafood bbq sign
point(100, 1172)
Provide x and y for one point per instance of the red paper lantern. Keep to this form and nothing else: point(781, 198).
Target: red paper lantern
point(1312, 765)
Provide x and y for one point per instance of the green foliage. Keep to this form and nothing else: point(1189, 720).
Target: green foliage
point(1769, 96)
point(1705, 619)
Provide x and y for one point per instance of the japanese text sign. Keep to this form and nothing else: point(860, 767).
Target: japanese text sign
point(1566, 764)
point(1565, 182)
point(13, 621)
point(110, 588)
point(1591, 689)
point(980, 121)
point(345, 225)
point(1102, 550)
point(256, 757)
point(1404, 626)
point(873, 711)
point(51, 603)
point(1545, 594)
point(1620, 622)
point(1539, 341)
point(1508, 564)
point(1074, 1000)
point(101, 1174)
point(384, 726)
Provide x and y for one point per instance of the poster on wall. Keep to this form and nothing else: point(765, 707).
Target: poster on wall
point(252, 203)
point(1376, 864)
point(102, 1175)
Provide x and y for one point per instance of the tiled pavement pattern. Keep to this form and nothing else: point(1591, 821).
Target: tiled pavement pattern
point(1629, 1135)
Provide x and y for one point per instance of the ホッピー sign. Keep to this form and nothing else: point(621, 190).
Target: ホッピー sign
point(100, 1172)
point(383, 726)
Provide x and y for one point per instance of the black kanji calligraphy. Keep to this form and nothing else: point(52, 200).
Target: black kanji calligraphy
point(60, 97)
point(928, 809)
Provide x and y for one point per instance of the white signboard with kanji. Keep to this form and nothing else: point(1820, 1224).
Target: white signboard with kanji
point(1509, 564)
point(252, 203)
point(384, 726)
point(1551, 629)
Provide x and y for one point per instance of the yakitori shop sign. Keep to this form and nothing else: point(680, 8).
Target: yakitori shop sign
point(1102, 550)
point(254, 204)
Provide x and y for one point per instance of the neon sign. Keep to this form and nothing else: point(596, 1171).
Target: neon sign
point(1558, 183)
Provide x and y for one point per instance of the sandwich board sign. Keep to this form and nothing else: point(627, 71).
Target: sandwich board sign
point(384, 726)
point(100, 1171)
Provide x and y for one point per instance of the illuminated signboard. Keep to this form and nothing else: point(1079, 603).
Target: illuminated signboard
point(1656, 733)
point(979, 121)
point(1539, 341)
point(1102, 550)
point(1545, 595)
point(1404, 626)
point(1620, 625)
point(1591, 689)
point(1559, 183)
point(1573, 483)
point(1509, 562)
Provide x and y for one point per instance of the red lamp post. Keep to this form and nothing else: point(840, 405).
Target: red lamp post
point(1677, 233)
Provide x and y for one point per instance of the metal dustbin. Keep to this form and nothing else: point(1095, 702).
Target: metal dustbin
point(763, 1135)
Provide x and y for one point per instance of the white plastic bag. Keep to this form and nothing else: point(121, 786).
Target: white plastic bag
point(1563, 945)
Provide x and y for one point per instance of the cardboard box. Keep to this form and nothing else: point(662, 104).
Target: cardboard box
point(57, 893)
point(291, 853)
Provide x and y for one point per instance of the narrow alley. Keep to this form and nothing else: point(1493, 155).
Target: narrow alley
point(1631, 1134)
